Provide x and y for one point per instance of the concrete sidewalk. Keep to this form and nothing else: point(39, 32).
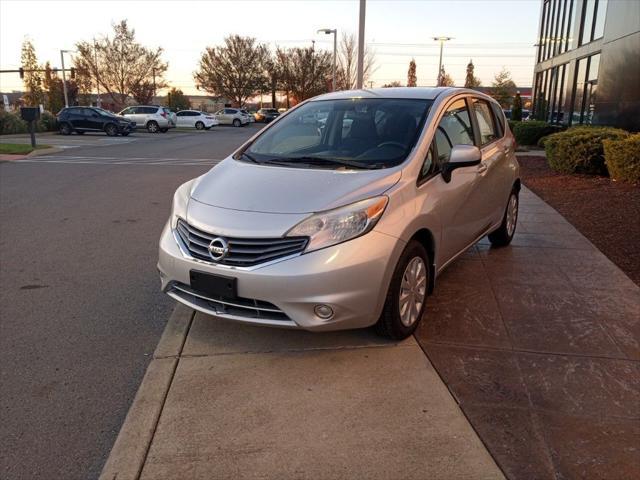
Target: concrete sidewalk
point(223, 400)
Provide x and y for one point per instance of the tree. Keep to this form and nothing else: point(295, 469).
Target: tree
point(395, 83)
point(143, 92)
point(32, 80)
point(412, 79)
point(347, 63)
point(471, 81)
point(305, 72)
point(176, 100)
point(121, 66)
point(274, 74)
point(54, 90)
point(503, 88)
point(445, 79)
point(235, 70)
point(516, 111)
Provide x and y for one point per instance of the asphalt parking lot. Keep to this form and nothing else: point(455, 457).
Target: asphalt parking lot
point(81, 307)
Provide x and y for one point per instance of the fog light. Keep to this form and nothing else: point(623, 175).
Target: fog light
point(323, 311)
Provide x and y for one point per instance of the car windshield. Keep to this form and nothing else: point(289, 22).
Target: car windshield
point(347, 133)
point(104, 112)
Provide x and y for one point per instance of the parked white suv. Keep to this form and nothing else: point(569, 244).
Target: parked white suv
point(152, 117)
point(231, 116)
point(196, 119)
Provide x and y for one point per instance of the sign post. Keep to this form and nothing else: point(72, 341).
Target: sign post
point(31, 115)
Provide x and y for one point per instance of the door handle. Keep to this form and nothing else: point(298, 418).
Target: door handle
point(482, 167)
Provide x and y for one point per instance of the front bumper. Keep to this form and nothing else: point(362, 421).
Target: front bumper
point(126, 128)
point(352, 278)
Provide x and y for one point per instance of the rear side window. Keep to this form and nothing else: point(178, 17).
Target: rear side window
point(454, 129)
point(486, 122)
point(499, 115)
point(229, 111)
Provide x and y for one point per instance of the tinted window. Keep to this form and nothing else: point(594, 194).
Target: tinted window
point(74, 111)
point(181, 114)
point(454, 129)
point(229, 111)
point(499, 115)
point(127, 111)
point(369, 133)
point(486, 124)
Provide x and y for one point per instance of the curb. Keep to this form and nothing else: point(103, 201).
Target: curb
point(45, 151)
point(129, 452)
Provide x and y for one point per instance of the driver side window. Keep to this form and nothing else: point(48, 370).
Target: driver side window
point(454, 129)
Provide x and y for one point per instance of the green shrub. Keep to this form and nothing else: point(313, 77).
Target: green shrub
point(10, 122)
point(622, 158)
point(579, 149)
point(528, 133)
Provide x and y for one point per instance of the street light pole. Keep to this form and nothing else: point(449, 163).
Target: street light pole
point(328, 31)
point(441, 40)
point(64, 80)
point(363, 6)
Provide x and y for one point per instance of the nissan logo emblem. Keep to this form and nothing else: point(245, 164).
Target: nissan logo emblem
point(218, 249)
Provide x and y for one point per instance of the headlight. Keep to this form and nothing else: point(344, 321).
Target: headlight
point(180, 201)
point(336, 226)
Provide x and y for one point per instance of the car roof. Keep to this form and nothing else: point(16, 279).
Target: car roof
point(421, 93)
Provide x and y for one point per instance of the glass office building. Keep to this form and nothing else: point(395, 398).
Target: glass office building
point(588, 63)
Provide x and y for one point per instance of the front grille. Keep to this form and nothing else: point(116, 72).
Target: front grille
point(243, 252)
point(238, 308)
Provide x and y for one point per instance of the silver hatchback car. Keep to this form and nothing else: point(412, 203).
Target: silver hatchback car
point(345, 222)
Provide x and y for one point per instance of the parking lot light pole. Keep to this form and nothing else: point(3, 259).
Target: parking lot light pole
point(360, 78)
point(441, 40)
point(329, 31)
point(64, 77)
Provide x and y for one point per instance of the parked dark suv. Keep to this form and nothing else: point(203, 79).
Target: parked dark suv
point(265, 115)
point(93, 119)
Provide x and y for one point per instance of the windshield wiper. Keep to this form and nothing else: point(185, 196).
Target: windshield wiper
point(314, 161)
point(248, 157)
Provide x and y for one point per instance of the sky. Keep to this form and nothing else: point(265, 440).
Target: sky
point(494, 33)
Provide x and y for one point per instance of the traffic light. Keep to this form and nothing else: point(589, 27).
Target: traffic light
point(73, 72)
point(21, 73)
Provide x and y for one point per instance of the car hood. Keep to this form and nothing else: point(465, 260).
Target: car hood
point(272, 189)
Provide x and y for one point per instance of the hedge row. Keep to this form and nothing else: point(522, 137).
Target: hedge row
point(530, 132)
point(10, 122)
point(580, 149)
point(622, 158)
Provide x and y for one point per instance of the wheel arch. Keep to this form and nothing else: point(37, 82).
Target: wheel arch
point(426, 238)
point(517, 185)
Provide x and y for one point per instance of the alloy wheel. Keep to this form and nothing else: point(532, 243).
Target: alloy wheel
point(413, 291)
point(512, 214)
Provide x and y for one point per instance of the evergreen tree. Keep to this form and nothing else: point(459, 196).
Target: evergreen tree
point(412, 79)
point(471, 81)
point(445, 79)
point(503, 88)
point(516, 111)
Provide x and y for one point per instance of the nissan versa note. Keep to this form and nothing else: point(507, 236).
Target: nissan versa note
point(343, 211)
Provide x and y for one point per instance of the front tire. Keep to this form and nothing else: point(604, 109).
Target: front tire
point(65, 129)
point(111, 130)
point(507, 229)
point(199, 125)
point(407, 295)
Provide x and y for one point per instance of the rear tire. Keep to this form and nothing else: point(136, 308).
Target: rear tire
point(407, 295)
point(199, 125)
point(152, 127)
point(111, 130)
point(237, 123)
point(65, 129)
point(507, 229)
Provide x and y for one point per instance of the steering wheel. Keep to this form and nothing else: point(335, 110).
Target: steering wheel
point(393, 144)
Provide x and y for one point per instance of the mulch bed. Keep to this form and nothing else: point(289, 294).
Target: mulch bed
point(604, 211)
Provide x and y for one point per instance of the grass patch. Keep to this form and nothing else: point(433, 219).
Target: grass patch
point(19, 148)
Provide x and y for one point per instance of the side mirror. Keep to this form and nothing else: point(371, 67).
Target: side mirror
point(461, 156)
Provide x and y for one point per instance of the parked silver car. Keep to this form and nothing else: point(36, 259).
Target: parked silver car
point(336, 224)
point(152, 117)
point(231, 116)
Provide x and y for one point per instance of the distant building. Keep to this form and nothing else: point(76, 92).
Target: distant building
point(588, 63)
point(525, 92)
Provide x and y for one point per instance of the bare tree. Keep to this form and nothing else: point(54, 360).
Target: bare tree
point(120, 65)
point(395, 83)
point(305, 72)
point(347, 68)
point(235, 70)
point(412, 79)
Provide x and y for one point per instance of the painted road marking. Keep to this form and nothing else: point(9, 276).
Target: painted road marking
point(68, 159)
